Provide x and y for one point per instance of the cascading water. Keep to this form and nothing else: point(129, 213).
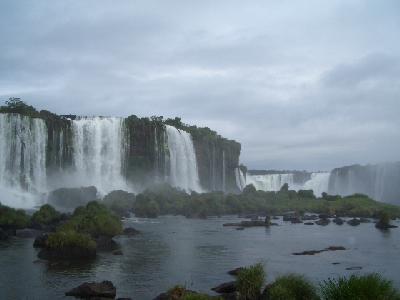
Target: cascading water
point(319, 183)
point(269, 182)
point(23, 143)
point(182, 157)
point(98, 152)
point(240, 179)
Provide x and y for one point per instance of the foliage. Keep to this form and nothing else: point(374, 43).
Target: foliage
point(367, 287)
point(292, 287)
point(384, 218)
point(179, 292)
point(45, 215)
point(13, 218)
point(250, 280)
point(16, 105)
point(70, 239)
point(164, 200)
point(95, 220)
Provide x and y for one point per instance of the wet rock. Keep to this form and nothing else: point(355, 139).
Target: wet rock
point(312, 252)
point(104, 289)
point(130, 231)
point(365, 220)
point(336, 263)
point(240, 228)
point(226, 288)
point(338, 221)
point(325, 216)
point(73, 253)
point(41, 240)
point(354, 222)
point(384, 226)
point(353, 268)
point(27, 233)
point(323, 222)
point(105, 243)
point(296, 220)
point(310, 217)
point(235, 272)
point(308, 223)
point(117, 252)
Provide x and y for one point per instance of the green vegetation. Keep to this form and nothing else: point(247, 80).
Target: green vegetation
point(292, 287)
point(16, 105)
point(250, 281)
point(367, 287)
point(179, 292)
point(120, 202)
point(163, 200)
point(11, 218)
point(95, 220)
point(70, 239)
point(46, 215)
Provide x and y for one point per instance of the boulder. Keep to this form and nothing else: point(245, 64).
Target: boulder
point(308, 223)
point(354, 222)
point(310, 217)
point(41, 240)
point(365, 220)
point(226, 288)
point(323, 222)
point(105, 243)
point(235, 272)
point(27, 233)
point(130, 231)
point(104, 289)
point(338, 221)
point(384, 226)
point(295, 220)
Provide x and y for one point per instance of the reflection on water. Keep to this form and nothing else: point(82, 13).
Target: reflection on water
point(198, 253)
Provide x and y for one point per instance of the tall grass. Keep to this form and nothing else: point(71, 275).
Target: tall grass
point(292, 287)
point(367, 287)
point(250, 281)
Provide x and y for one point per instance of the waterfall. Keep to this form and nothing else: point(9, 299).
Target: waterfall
point(318, 183)
point(182, 157)
point(23, 142)
point(269, 182)
point(223, 172)
point(98, 152)
point(240, 179)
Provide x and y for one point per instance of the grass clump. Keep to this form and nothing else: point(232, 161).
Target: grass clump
point(70, 239)
point(250, 281)
point(95, 220)
point(367, 287)
point(45, 215)
point(292, 287)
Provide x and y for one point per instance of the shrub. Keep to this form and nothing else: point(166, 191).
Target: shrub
point(94, 219)
point(70, 239)
point(294, 287)
point(250, 281)
point(45, 215)
point(13, 218)
point(366, 287)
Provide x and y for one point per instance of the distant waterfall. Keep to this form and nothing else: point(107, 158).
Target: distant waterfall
point(182, 157)
point(319, 183)
point(98, 152)
point(269, 182)
point(23, 142)
point(240, 179)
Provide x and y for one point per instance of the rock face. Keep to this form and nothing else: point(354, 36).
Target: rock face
point(67, 199)
point(104, 289)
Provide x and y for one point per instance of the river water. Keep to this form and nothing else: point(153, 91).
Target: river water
point(198, 253)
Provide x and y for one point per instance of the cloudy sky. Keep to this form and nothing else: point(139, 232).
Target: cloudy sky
point(301, 84)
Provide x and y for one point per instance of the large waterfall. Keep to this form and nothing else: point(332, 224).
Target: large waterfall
point(23, 143)
point(182, 157)
point(98, 152)
point(269, 182)
point(318, 182)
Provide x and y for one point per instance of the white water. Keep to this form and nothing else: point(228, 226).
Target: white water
point(269, 182)
point(273, 182)
point(98, 153)
point(319, 183)
point(23, 143)
point(183, 163)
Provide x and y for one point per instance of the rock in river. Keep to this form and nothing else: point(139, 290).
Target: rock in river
point(104, 289)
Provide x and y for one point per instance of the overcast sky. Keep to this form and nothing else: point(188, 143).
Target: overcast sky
point(300, 84)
